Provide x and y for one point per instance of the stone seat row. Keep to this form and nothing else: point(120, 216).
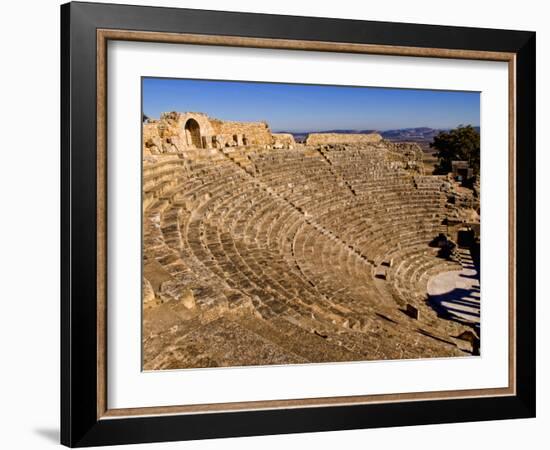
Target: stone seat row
point(287, 252)
point(196, 238)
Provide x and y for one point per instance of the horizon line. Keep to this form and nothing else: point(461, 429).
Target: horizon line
point(373, 130)
point(331, 130)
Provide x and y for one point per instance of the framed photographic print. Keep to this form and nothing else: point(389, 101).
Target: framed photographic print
point(276, 224)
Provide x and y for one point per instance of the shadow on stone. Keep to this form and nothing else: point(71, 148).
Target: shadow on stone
point(450, 306)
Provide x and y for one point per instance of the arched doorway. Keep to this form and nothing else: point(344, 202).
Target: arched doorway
point(193, 133)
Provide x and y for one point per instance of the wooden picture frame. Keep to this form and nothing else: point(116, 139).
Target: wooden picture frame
point(86, 419)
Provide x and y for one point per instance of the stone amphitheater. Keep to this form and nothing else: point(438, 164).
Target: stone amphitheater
point(259, 250)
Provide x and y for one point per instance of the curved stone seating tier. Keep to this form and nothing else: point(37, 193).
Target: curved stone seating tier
point(216, 251)
point(177, 274)
point(299, 178)
point(281, 234)
point(412, 261)
point(248, 247)
point(410, 280)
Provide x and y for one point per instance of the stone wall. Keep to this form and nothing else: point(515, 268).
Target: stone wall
point(160, 137)
point(283, 140)
point(251, 133)
point(410, 150)
point(342, 138)
point(178, 132)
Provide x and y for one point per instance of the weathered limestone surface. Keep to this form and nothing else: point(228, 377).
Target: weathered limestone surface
point(342, 138)
point(253, 133)
point(178, 132)
point(148, 293)
point(283, 140)
point(285, 253)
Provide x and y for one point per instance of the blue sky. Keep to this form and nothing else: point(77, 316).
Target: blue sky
point(300, 107)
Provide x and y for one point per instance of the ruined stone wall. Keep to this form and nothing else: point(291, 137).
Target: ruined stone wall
point(410, 150)
point(178, 132)
point(283, 140)
point(403, 147)
point(168, 134)
point(342, 138)
point(160, 137)
point(251, 133)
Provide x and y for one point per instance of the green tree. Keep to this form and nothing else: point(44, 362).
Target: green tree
point(460, 144)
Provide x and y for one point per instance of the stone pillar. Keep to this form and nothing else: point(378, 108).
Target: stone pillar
point(188, 141)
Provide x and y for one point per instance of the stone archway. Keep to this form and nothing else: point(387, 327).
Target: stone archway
point(193, 133)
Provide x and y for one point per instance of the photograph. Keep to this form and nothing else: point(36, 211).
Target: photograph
point(258, 225)
point(302, 223)
point(271, 224)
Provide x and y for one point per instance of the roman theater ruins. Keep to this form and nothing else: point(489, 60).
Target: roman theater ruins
point(260, 250)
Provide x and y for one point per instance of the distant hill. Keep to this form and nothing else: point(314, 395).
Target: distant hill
point(420, 135)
